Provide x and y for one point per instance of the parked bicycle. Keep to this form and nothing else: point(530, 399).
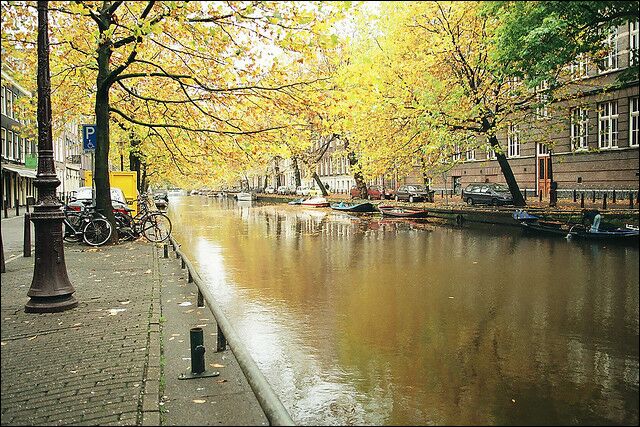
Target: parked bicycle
point(154, 225)
point(87, 225)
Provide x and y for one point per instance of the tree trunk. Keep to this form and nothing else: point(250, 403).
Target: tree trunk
point(101, 176)
point(296, 172)
point(316, 178)
point(518, 200)
point(357, 175)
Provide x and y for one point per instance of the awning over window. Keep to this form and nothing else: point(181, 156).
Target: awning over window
point(21, 170)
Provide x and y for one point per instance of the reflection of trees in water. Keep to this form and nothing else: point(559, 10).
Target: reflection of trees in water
point(549, 323)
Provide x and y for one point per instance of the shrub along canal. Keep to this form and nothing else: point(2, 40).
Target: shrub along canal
point(364, 320)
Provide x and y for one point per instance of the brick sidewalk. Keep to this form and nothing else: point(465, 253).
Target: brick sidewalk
point(106, 361)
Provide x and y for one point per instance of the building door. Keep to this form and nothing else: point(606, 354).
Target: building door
point(544, 176)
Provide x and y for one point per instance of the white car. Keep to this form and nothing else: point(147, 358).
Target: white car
point(269, 190)
point(303, 191)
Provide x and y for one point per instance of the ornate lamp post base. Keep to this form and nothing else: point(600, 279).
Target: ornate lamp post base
point(50, 304)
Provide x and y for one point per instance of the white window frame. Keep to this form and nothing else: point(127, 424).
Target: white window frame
point(542, 149)
point(471, 154)
point(579, 129)
point(491, 153)
point(457, 154)
point(9, 97)
point(608, 125)
point(580, 68)
point(633, 42)
point(610, 62)
point(634, 132)
point(10, 144)
point(542, 99)
point(513, 137)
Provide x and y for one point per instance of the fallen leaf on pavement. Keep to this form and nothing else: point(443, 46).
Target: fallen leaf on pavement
point(199, 401)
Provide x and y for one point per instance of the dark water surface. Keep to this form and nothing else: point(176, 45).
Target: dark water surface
point(359, 320)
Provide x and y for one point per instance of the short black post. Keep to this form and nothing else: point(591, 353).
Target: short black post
point(189, 276)
point(575, 195)
point(182, 263)
point(17, 207)
point(613, 197)
point(442, 193)
point(525, 194)
point(4, 206)
point(582, 200)
point(540, 195)
point(604, 201)
point(197, 357)
point(593, 196)
point(200, 299)
point(26, 247)
point(166, 251)
point(177, 255)
point(222, 341)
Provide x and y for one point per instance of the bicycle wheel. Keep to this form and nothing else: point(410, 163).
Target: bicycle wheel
point(97, 232)
point(74, 220)
point(156, 227)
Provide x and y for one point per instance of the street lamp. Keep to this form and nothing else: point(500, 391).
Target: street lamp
point(121, 149)
point(50, 289)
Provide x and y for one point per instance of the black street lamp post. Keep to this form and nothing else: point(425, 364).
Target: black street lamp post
point(50, 289)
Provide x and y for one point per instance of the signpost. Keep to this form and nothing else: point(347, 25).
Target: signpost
point(89, 144)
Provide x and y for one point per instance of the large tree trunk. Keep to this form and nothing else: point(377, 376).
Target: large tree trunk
point(296, 172)
point(101, 175)
point(357, 174)
point(505, 167)
point(316, 178)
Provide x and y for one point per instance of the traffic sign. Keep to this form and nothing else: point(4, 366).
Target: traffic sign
point(89, 137)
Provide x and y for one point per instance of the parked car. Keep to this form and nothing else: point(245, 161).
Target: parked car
point(374, 192)
point(84, 197)
point(283, 189)
point(414, 193)
point(269, 189)
point(487, 193)
point(303, 191)
point(161, 199)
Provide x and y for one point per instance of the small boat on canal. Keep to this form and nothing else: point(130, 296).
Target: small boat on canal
point(354, 207)
point(403, 212)
point(594, 231)
point(316, 202)
point(246, 196)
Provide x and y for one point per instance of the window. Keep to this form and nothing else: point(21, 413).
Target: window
point(4, 100)
point(579, 128)
point(471, 154)
point(491, 153)
point(633, 121)
point(513, 136)
point(608, 124)
point(633, 43)
point(457, 154)
point(5, 148)
point(10, 144)
point(543, 150)
point(579, 68)
point(610, 60)
point(542, 100)
point(9, 108)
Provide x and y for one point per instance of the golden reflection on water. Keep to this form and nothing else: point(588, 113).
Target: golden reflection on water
point(363, 320)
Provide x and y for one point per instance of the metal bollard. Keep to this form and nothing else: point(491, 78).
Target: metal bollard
point(540, 195)
point(604, 201)
point(166, 251)
point(200, 299)
point(189, 276)
point(221, 341)
point(593, 196)
point(582, 200)
point(613, 197)
point(26, 247)
point(575, 195)
point(17, 207)
point(182, 263)
point(197, 357)
point(4, 207)
point(525, 194)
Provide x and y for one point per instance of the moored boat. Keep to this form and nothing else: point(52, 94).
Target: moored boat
point(354, 207)
point(318, 202)
point(246, 196)
point(403, 212)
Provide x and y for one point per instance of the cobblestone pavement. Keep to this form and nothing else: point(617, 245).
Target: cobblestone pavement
point(104, 362)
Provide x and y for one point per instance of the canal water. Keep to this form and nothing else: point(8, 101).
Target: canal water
point(363, 320)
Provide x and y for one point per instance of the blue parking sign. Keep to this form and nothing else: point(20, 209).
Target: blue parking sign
point(89, 137)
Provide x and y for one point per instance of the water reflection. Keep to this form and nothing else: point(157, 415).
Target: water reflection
point(363, 320)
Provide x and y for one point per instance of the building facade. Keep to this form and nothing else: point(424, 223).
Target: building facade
point(19, 155)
